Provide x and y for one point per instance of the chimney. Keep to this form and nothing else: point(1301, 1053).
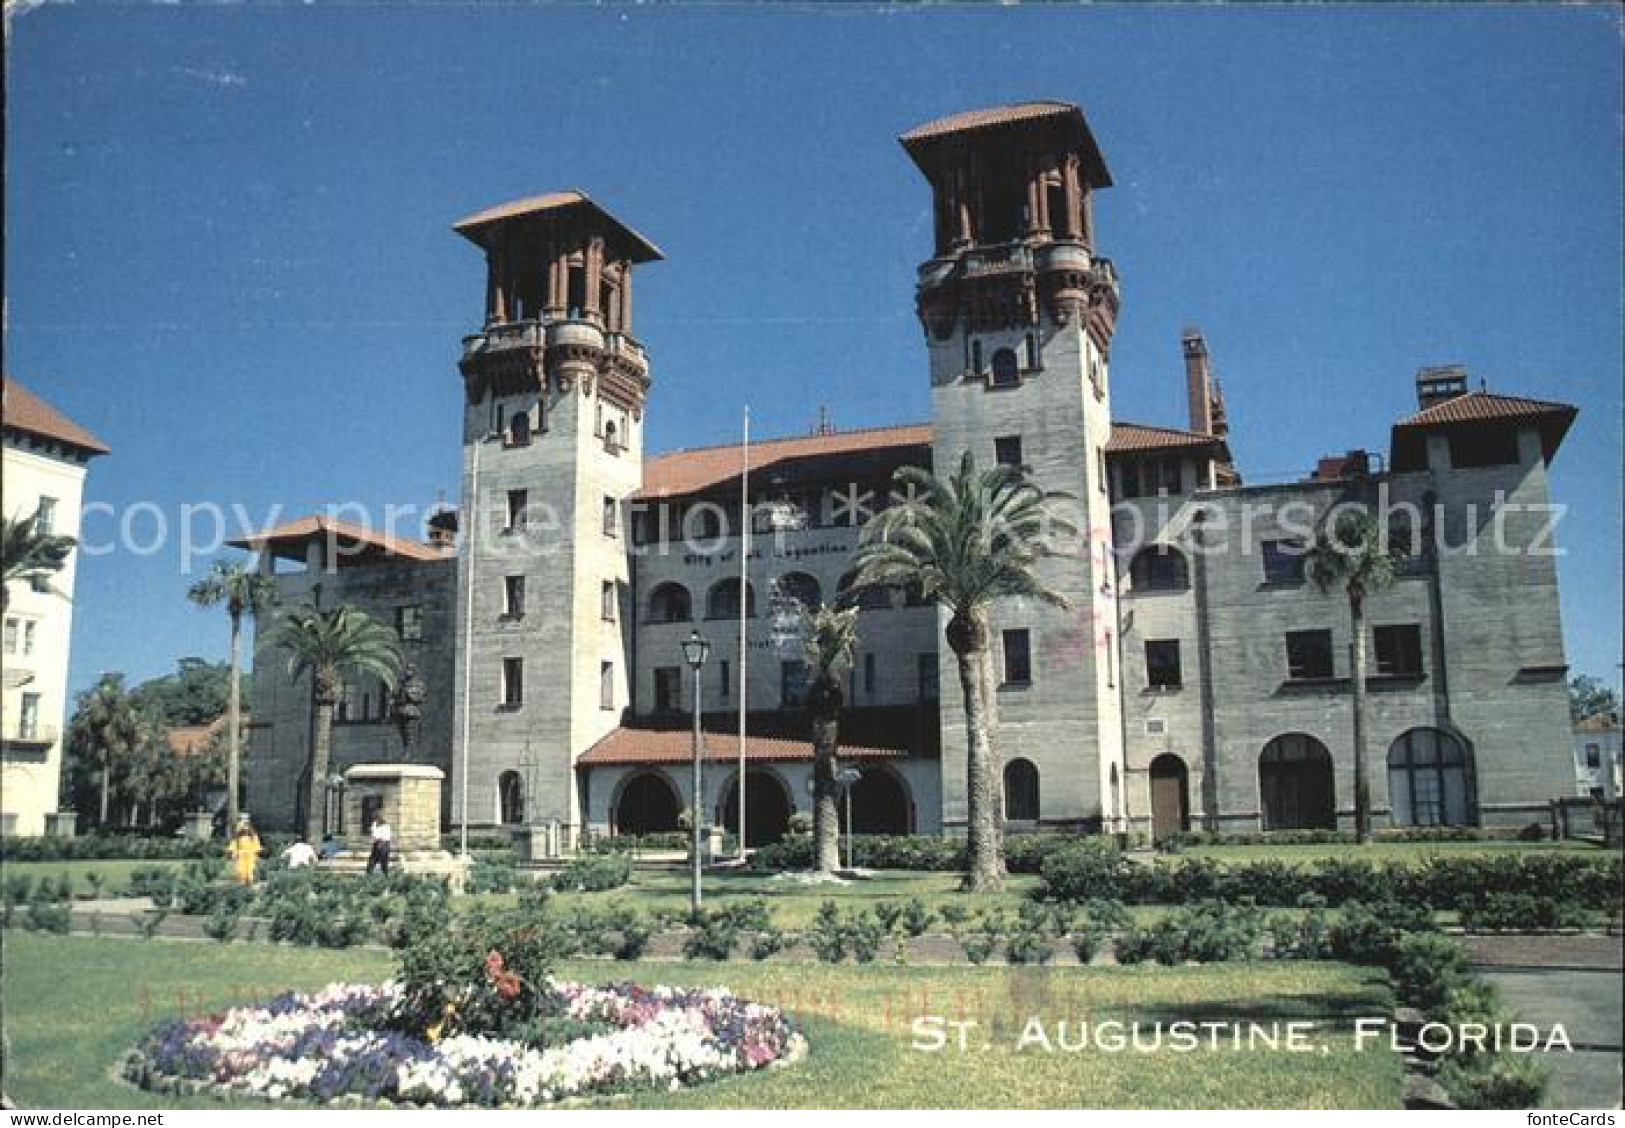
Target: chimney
point(1198, 380)
point(1440, 383)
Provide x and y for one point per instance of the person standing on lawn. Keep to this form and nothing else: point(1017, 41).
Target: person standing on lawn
point(382, 839)
point(244, 849)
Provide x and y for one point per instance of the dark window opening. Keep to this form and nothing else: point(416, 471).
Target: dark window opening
point(926, 676)
point(513, 597)
point(409, 622)
point(1398, 650)
point(1018, 664)
point(670, 603)
point(518, 508)
point(1309, 655)
point(1283, 562)
point(1162, 669)
point(1060, 223)
point(1004, 209)
point(1160, 567)
point(519, 429)
point(1483, 446)
point(668, 689)
point(1007, 450)
point(577, 300)
point(513, 682)
point(793, 678)
point(1006, 369)
point(1021, 791)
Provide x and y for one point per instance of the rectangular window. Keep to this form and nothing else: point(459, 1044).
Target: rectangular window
point(1483, 446)
point(607, 600)
point(1593, 755)
point(45, 518)
point(513, 682)
point(792, 683)
point(1283, 562)
point(869, 680)
point(12, 627)
point(1018, 662)
point(1398, 650)
point(409, 622)
point(976, 356)
point(1308, 655)
point(28, 718)
point(1171, 476)
point(612, 517)
point(606, 685)
point(669, 689)
point(725, 682)
point(518, 508)
point(1007, 450)
point(1100, 469)
point(28, 636)
point(513, 597)
point(1129, 475)
point(926, 675)
point(1162, 669)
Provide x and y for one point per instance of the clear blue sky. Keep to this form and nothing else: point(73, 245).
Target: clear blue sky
point(227, 244)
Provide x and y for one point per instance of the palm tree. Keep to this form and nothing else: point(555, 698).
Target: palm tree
point(1354, 552)
point(30, 554)
point(966, 541)
point(327, 645)
point(108, 727)
point(830, 637)
point(242, 590)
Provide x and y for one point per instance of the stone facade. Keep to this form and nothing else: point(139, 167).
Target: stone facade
point(1196, 680)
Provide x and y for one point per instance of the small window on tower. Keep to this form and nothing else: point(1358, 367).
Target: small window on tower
point(578, 289)
point(1018, 660)
point(1006, 370)
point(611, 516)
point(518, 509)
point(513, 597)
point(976, 356)
point(607, 600)
point(513, 682)
point(612, 439)
point(606, 685)
point(1007, 450)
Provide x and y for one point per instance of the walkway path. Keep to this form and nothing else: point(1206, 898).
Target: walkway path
point(1573, 980)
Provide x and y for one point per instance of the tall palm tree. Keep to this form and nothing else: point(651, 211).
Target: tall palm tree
point(830, 638)
point(1354, 552)
point(243, 591)
point(327, 645)
point(965, 541)
point(108, 728)
point(29, 554)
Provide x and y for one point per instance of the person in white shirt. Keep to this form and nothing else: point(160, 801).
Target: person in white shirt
point(299, 855)
point(382, 837)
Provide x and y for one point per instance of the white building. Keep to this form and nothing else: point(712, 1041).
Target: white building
point(1597, 757)
point(46, 458)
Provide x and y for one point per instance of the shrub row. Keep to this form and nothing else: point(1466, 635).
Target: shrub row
point(1023, 853)
point(1089, 869)
point(1529, 832)
point(104, 846)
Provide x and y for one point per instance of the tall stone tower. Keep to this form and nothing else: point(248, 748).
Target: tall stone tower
point(1018, 311)
point(555, 387)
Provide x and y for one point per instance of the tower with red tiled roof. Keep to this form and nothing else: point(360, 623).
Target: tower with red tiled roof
point(1019, 309)
point(554, 385)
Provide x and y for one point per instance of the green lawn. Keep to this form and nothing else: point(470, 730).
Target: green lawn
point(74, 1003)
point(114, 871)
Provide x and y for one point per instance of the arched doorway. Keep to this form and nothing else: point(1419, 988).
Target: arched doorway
point(1295, 784)
point(1170, 796)
point(648, 804)
point(767, 802)
point(1430, 779)
point(880, 804)
point(1021, 791)
point(511, 791)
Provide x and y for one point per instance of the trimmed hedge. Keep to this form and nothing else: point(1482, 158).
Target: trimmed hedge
point(1023, 853)
point(101, 847)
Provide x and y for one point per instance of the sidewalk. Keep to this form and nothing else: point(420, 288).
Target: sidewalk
point(1572, 980)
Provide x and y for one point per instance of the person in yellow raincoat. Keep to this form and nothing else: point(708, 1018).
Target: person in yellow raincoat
point(244, 849)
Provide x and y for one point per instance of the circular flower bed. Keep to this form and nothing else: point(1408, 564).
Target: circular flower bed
point(337, 1044)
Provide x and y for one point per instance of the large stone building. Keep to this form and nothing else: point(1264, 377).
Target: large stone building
point(1197, 679)
point(46, 458)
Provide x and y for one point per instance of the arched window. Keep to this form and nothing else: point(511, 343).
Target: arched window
point(874, 597)
point(519, 429)
point(1021, 791)
point(511, 789)
point(722, 601)
point(1006, 369)
point(1159, 567)
point(1295, 784)
point(1430, 779)
point(881, 803)
point(670, 603)
point(802, 588)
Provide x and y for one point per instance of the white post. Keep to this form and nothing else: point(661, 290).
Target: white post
point(744, 577)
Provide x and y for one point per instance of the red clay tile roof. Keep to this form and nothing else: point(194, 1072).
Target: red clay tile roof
point(22, 410)
point(672, 746)
point(682, 472)
point(1131, 438)
point(1478, 407)
point(1408, 449)
point(985, 118)
point(187, 740)
point(471, 226)
point(282, 539)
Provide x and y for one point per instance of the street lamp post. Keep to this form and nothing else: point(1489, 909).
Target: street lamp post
point(695, 650)
point(846, 777)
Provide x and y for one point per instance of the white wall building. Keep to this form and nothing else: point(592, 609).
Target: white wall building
point(45, 461)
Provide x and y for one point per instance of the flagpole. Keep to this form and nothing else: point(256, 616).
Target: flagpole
point(744, 588)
